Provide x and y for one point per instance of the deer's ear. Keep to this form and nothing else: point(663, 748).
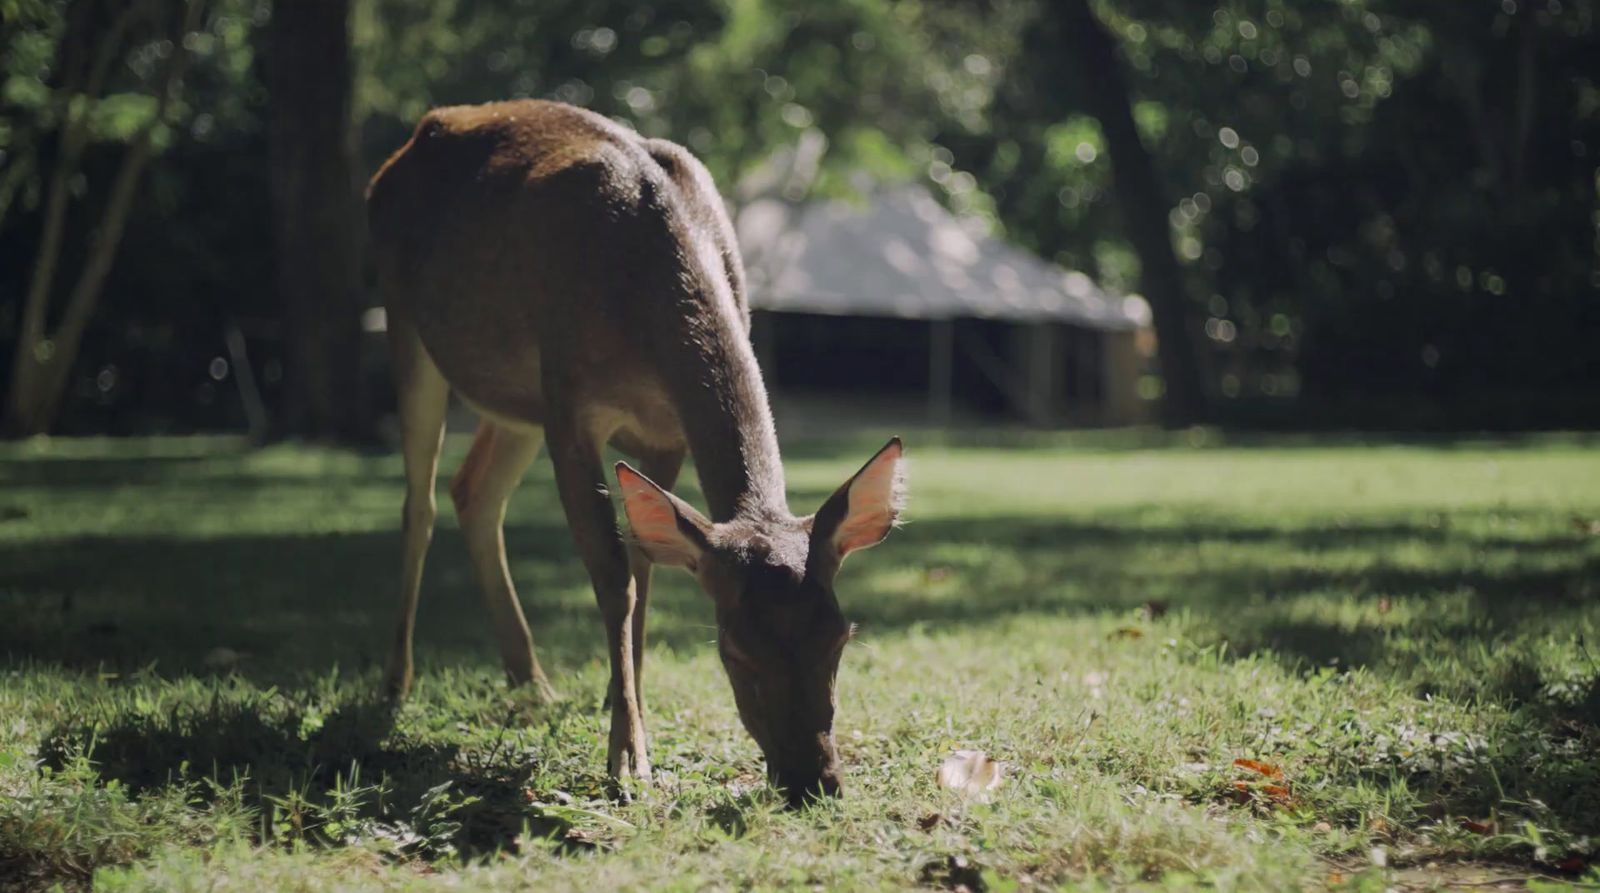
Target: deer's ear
point(668, 530)
point(863, 511)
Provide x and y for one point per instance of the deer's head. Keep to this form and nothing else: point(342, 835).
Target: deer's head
point(780, 632)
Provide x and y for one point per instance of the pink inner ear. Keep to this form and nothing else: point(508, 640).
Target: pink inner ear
point(875, 497)
point(652, 519)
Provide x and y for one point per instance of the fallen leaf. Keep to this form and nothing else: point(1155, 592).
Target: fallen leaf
point(1322, 827)
point(1127, 632)
point(1477, 827)
point(1269, 786)
point(971, 773)
point(1244, 792)
point(1266, 769)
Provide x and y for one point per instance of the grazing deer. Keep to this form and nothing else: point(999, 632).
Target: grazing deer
point(579, 285)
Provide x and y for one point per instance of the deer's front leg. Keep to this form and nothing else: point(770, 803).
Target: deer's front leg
point(581, 478)
point(661, 467)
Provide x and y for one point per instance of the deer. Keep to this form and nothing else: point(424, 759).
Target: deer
point(579, 287)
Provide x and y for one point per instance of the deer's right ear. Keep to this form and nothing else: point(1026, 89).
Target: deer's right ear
point(862, 512)
point(668, 529)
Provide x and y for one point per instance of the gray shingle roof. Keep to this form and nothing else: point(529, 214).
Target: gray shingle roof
point(902, 254)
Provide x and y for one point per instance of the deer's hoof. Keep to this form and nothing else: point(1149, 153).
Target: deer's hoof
point(630, 770)
point(543, 691)
point(546, 694)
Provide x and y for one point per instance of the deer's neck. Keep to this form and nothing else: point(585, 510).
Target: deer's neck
point(727, 420)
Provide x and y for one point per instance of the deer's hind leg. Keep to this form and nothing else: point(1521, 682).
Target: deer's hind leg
point(423, 398)
point(499, 457)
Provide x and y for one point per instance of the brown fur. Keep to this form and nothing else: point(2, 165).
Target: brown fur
point(494, 219)
point(575, 281)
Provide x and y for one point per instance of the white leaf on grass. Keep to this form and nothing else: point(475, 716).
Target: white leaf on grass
point(972, 774)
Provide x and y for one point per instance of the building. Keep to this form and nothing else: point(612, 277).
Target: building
point(895, 295)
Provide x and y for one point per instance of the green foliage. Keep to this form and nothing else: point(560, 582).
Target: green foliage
point(1381, 204)
point(1397, 181)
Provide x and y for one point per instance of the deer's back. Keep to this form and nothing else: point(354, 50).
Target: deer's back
point(510, 232)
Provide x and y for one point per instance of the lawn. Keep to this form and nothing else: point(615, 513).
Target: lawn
point(1405, 637)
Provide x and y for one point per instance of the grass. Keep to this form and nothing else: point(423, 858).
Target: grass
point(191, 634)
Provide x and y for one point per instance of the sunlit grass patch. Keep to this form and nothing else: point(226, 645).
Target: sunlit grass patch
point(1405, 636)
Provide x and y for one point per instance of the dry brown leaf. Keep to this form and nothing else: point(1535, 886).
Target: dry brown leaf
point(1277, 793)
point(1245, 791)
point(1266, 769)
point(1127, 632)
point(972, 774)
point(1268, 786)
point(1477, 827)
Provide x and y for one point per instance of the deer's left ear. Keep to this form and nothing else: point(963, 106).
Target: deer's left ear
point(863, 511)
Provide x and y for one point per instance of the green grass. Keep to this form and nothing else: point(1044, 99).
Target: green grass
point(191, 634)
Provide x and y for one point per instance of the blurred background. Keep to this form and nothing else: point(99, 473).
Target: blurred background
point(1352, 214)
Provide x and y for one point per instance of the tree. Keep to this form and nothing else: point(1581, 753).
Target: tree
point(318, 225)
point(1145, 207)
point(94, 39)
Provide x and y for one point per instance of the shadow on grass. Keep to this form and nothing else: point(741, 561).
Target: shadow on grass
point(291, 762)
point(294, 606)
point(298, 605)
point(96, 472)
point(291, 605)
point(837, 445)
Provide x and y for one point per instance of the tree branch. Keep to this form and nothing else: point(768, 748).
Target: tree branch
point(90, 282)
point(37, 383)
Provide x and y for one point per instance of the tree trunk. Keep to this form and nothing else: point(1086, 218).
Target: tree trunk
point(43, 362)
point(1145, 207)
point(318, 223)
